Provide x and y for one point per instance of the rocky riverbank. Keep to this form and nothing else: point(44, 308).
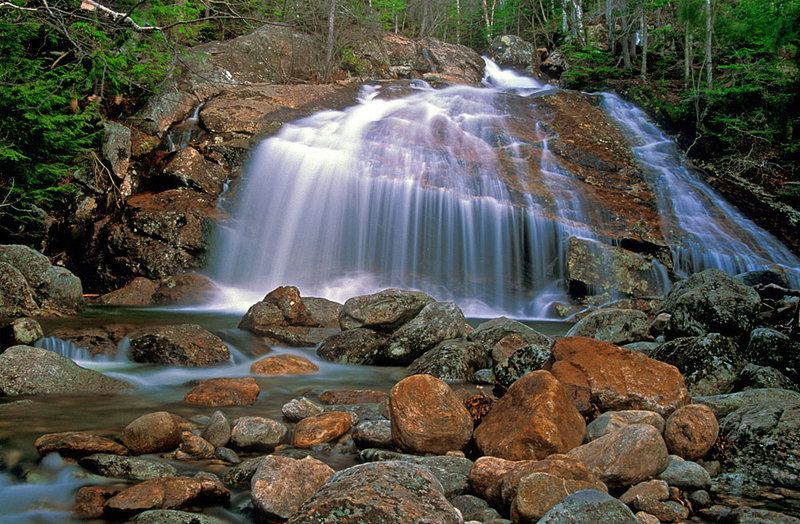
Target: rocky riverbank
point(686, 410)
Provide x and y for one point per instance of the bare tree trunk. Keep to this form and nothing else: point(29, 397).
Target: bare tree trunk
point(329, 47)
point(644, 46)
point(709, 31)
point(687, 58)
point(626, 53)
point(611, 25)
point(458, 21)
point(576, 5)
point(564, 26)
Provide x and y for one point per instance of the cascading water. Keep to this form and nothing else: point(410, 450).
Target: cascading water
point(703, 230)
point(413, 189)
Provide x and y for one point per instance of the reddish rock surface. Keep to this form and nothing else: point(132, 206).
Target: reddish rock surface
point(195, 446)
point(534, 419)
point(352, 396)
point(281, 484)
point(285, 364)
point(626, 456)
point(691, 431)
point(614, 378)
point(184, 290)
point(321, 428)
point(427, 416)
point(90, 501)
point(224, 392)
point(168, 493)
point(137, 292)
point(538, 492)
point(153, 432)
point(77, 444)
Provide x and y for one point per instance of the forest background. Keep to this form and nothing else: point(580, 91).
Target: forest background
point(720, 75)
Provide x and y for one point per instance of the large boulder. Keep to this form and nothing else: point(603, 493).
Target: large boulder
point(26, 370)
point(513, 51)
point(525, 359)
point(180, 345)
point(595, 268)
point(710, 364)
point(617, 326)
point(614, 378)
point(353, 346)
point(76, 444)
point(435, 323)
point(384, 311)
point(153, 432)
point(691, 431)
point(258, 433)
point(534, 419)
point(626, 456)
point(452, 360)
point(389, 492)
point(427, 416)
point(765, 440)
point(451, 471)
point(614, 420)
point(168, 493)
point(281, 484)
point(16, 298)
point(710, 302)
point(503, 336)
point(128, 468)
point(318, 429)
point(724, 405)
point(769, 347)
point(53, 287)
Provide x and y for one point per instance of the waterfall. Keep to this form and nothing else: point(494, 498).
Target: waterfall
point(413, 188)
point(702, 228)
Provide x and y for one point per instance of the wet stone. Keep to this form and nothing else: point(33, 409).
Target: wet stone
point(128, 468)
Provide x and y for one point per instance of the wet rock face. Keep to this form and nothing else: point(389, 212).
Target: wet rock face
point(379, 492)
point(167, 493)
point(52, 287)
point(181, 345)
point(435, 323)
point(281, 484)
point(384, 311)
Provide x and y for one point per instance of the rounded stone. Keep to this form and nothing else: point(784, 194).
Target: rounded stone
point(691, 431)
point(151, 433)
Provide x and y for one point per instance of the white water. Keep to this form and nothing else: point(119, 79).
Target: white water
point(702, 228)
point(408, 192)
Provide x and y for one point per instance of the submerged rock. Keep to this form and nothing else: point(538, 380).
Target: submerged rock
point(26, 370)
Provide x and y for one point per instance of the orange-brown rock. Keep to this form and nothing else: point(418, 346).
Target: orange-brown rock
point(137, 292)
point(626, 456)
point(224, 392)
point(90, 501)
point(285, 364)
point(496, 480)
point(352, 396)
point(427, 416)
point(614, 378)
point(153, 432)
point(321, 428)
point(534, 419)
point(77, 444)
point(195, 446)
point(538, 492)
point(184, 290)
point(168, 493)
point(281, 484)
point(691, 431)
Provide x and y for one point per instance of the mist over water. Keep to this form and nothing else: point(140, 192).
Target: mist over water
point(408, 191)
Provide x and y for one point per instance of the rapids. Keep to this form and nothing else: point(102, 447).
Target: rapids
point(406, 189)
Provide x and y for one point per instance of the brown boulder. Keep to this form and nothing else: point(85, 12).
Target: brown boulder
point(77, 444)
point(353, 346)
point(323, 312)
point(427, 416)
point(538, 492)
point(613, 420)
point(224, 392)
point(90, 501)
point(195, 446)
point(168, 493)
point(653, 489)
point(189, 169)
point(691, 431)
point(534, 419)
point(384, 311)
point(285, 364)
point(137, 292)
point(153, 432)
point(281, 484)
point(282, 306)
point(181, 345)
point(352, 396)
point(184, 290)
point(321, 428)
point(614, 378)
point(626, 456)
